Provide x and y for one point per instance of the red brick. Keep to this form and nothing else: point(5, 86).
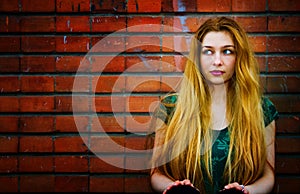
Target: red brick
point(283, 84)
point(10, 44)
point(36, 124)
point(38, 6)
point(279, 5)
point(135, 143)
point(67, 103)
point(9, 183)
point(108, 124)
point(174, 63)
point(253, 24)
point(289, 124)
point(182, 24)
point(214, 6)
point(106, 184)
point(71, 164)
point(261, 60)
point(138, 183)
point(9, 104)
point(8, 144)
point(36, 144)
point(71, 123)
point(138, 164)
point(9, 6)
point(37, 183)
point(176, 43)
point(143, 44)
point(287, 185)
point(108, 44)
point(38, 44)
point(108, 6)
point(37, 84)
point(9, 123)
point(8, 164)
point(72, 5)
point(72, 24)
point(107, 164)
point(107, 144)
point(9, 64)
point(65, 84)
point(283, 44)
point(258, 43)
point(109, 104)
point(108, 64)
point(137, 124)
point(142, 63)
point(178, 6)
point(283, 64)
point(283, 165)
point(104, 24)
point(248, 6)
point(36, 164)
point(37, 24)
point(170, 84)
point(286, 103)
point(37, 104)
point(108, 84)
point(283, 24)
point(70, 144)
point(9, 24)
point(263, 83)
point(70, 64)
point(141, 103)
point(72, 44)
point(36, 64)
point(141, 6)
point(287, 145)
point(72, 183)
point(144, 24)
point(9, 84)
point(142, 83)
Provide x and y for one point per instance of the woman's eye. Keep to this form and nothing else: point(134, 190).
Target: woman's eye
point(228, 52)
point(207, 52)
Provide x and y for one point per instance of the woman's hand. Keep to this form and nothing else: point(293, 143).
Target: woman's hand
point(237, 186)
point(183, 182)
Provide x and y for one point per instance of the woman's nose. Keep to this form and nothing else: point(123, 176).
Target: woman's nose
point(217, 59)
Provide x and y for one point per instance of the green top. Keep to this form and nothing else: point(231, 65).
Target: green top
point(221, 145)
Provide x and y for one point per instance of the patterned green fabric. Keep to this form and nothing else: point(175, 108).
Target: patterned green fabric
point(220, 147)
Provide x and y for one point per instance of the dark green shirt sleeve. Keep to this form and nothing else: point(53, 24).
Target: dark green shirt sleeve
point(270, 112)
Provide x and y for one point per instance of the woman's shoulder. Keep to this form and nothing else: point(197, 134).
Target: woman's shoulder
point(269, 110)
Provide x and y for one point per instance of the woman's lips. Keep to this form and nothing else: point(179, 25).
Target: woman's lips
point(217, 72)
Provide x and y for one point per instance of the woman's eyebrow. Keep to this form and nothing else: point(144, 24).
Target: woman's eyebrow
point(225, 46)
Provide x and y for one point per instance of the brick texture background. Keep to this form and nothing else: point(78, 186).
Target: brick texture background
point(42, 44)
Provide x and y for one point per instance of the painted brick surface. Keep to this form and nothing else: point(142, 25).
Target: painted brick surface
point(53, 142)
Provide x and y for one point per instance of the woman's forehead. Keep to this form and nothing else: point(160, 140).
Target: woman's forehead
point(221, 38)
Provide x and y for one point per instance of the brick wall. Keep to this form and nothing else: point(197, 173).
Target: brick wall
point(42, 45)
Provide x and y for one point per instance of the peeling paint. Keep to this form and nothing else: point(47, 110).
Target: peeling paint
point(65, 40)
point(57, 59)
point(68, 23)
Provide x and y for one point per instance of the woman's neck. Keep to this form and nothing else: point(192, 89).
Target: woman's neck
point(218, 107)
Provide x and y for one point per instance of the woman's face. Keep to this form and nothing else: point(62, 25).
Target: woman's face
point(217, 57)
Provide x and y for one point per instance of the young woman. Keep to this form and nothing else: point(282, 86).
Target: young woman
point(218, 132)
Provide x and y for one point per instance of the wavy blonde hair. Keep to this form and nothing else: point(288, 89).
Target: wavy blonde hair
point(188, 133)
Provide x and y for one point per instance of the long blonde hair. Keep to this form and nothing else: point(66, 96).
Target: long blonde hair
point(189, 129)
